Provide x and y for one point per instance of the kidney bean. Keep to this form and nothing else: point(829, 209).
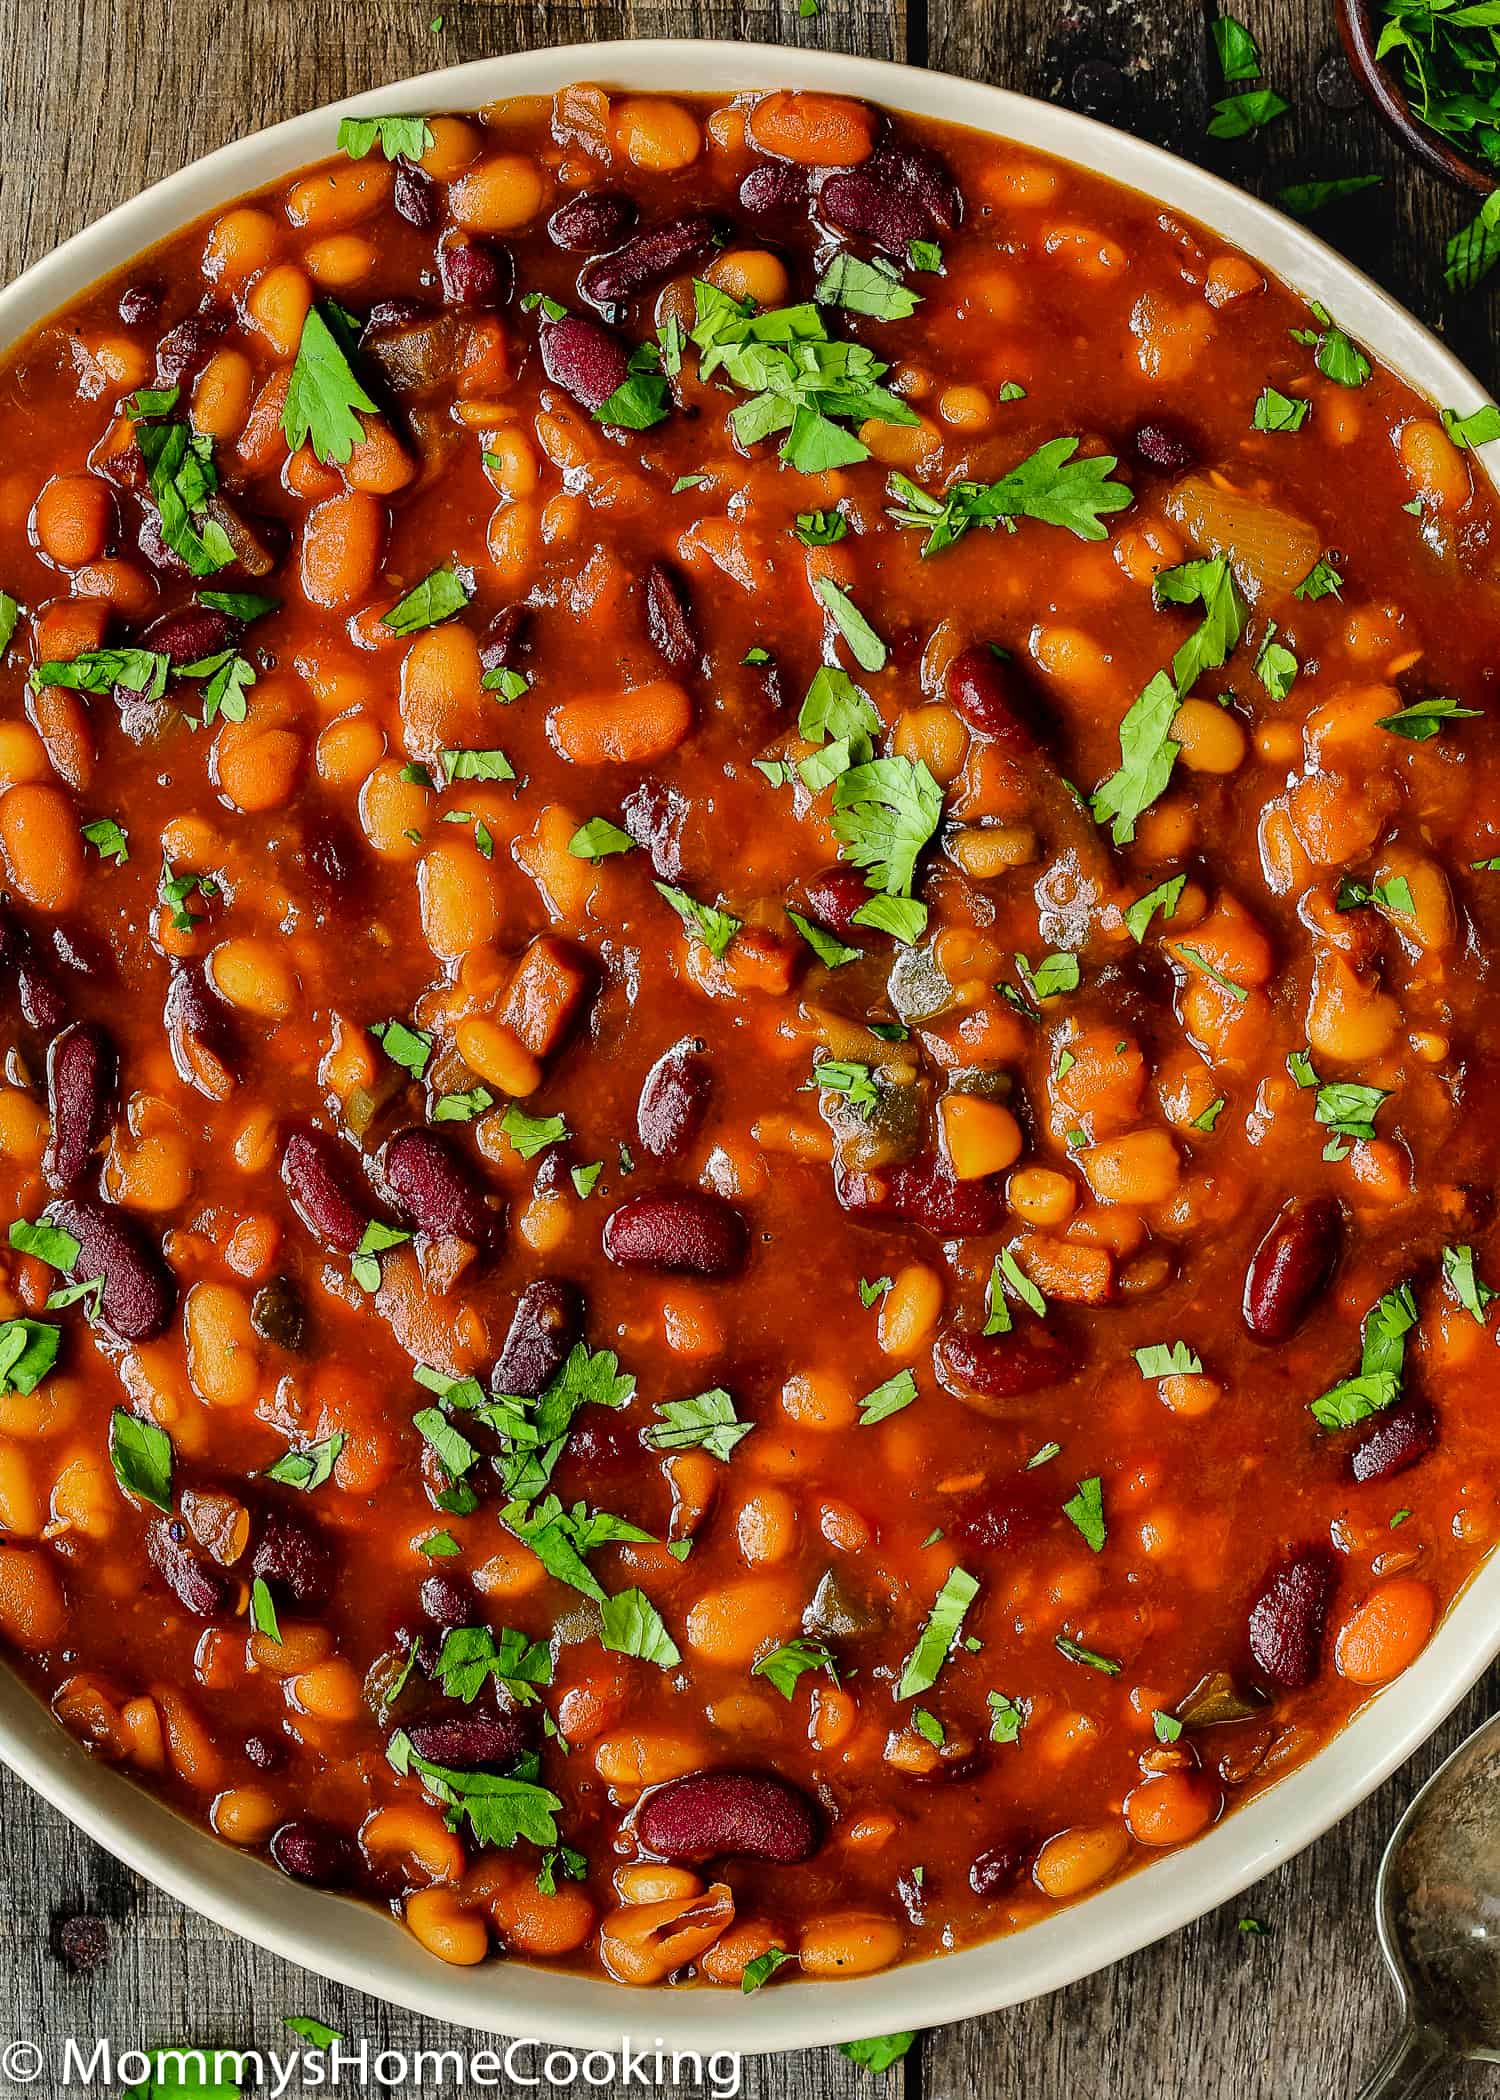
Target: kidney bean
point(184, 350)
point(139, 1291)
point(80, 1089)
point(776, 188)
point(139, 303)
point(647, 259)
point(1292, 1266)
point(655, 816)
point(447, 1601)
point(503, 641)
point(190, 634)
point(266, 1752)
point(321, 1187)
point(414, 195)
point(589, 224)
point(983, 690)
point(199, 1032)
point(1012, 1514)
point(834, 895)
point(681, 1231)
point(902, 194)
point(436, 1187)
point(278, 1314)
point(1393, 1440)
point(309, 1851)
point(583, 359)
point(755, 1815)
point(83, 953)
point(998, 1870)
point(472, 1742)
point(1288, 1617)
point(475, 273)
point(673, 1098)
point(924, 1192)
point(547, 1321)
point(291, 1556)
point(980, 1367)
point(41, 1003)
point(201, 1586)
point(334, 856)
point(154, 548)
point(669, 618)
point(1164, 442)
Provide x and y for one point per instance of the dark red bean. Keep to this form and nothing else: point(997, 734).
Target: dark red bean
point(924, 1192)
point(983, 1367)
point(669, 618)
point(414, 194)
point(983, 690)
point(139, 1291)
point(333, 855)
point(392, 313)
point(41, 1003)
point(918, 173)
point(1288, 1617)
point(1013, 1514)
point(647, 259)
point(190, 634)
point(1394, 1440)
point(583, 359)
point(311, 1852)
point(80, 1090)
point(86, 954)
point(154, 548)
point(321, 1185)
point(997, 1871)
point(200, 1034)
point(902, 194)
point(472, 1742)
point(1164, 443)
point(201, 1586)
point(775, 189)
point(1291, 1267)
point(266, 1752)
point(656, 816)
point(477, 274)
point(436, 1187)
point(184, 350)
point(753, 1815)
point(833, 896)
point(673, 1098)
point(589, 224)
point(292, 1557)
point(682, 1231)
point(547, 1321)
point(139, 303)
point(447, 1601)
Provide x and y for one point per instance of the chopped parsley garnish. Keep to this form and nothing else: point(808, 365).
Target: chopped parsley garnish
point(1275, 665)
point(944, 1624)
point(10, 619)
point(1006, 1718)
point(176, 889)
point(1300, 1066)
point(762, 1967)
point(866, 288)
point(873, 1289)
point(183, 480)
point(1321, 581)
point(308, 1467)
point(884, 813)
point(1198, 961)
point(376, 1239)
point(888, 1398)
point(408, 1047)
point(1394, 895)
point(532, 1134)
point(1041, 1457)
point(1163, 899)
point(1210, 1115)
point(139, 1451)
point(1480, 427)
point(793, 1660)
point(1237, 116)
point(598, 837)
point(821, 528)
point(855, 1082)
point(1168, 1360)
point(563, 1538)
point(1167, 1726)
point(1277, 411)
point(1085, 1512)
point(1347, 1110)
point(1007, 1270)
point(398, 138)
point(1089, 1658)
point(263, 1611)
point(705, 922)
point(837, 711)
point(878, 2052)
point(142, 671)
point(707, 1422)
point(500, 1809)
point(828, 948)
point(324, 392)
point(632, 1625)
point(1302, 199)
point(229, 677)
point(1463, 1280)
point(1377, 1383)
point(865, 645)
point(1335, 356)
point(644, 397)
point(1236, 50)
point(440, 594)
point(509, 684)
point(1049, 485)
point(462, 1108)
point(470, 1658)
point(1425, 718)
point(46, 1243)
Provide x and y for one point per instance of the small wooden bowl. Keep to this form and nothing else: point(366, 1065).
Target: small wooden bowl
point(1361, 33)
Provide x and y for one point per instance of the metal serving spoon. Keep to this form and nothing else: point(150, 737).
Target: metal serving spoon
point(1438, 1911)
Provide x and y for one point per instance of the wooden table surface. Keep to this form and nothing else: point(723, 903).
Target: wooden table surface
point(102, 96)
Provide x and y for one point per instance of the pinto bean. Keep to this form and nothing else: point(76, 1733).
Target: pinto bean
point(647, 259)
point(1291, 1267)
point(655, 816)
point(202, 1586)
point(669, 618)
point(592, 223)
point(584, 359)
point(290, 1555)
point(755, 1815)
point(1393, 1440)
point(321, 1187)
point(979, 1368)
point(311, 1852)
point(547, 1321)
point(673, 1098)
point(683, 1231)
point(983, 690)
point(80, 1088)
point(924, 1192)
point(436, 1187)
point(199, 1033)
point(1289, 1615)
point(473, 1742)
point(139, 1291)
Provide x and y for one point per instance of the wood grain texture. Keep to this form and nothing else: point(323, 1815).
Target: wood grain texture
point(1213, 2013)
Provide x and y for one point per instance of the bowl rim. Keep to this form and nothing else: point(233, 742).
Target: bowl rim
point(357, 1945)
point(1360, 34)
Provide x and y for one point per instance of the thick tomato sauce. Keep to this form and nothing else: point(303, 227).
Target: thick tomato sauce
point(1157, 1580)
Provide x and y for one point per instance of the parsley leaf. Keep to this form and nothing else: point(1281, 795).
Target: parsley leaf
point(1237, 116)
point(633, 1626)
point(1049, 485)
point(324, 392)
point(28, 1350)
point(500, 1810)
point(1006, 1718)
point(309, 1467)
point(1377, 1383)
point(440, 594)
point(408, 1047)
point(1168, 1360)
point(1236, 49)
point(139, 1451)
point(1163, 899)
point(887, 1399)
point(792, 1660)
point(878, 2052)
point(1471, 1291)
point(376, 1239)
point(828, 948)
point(1302, 199)
point(1425, 718)
point(865, 645)
point(707, 1422)
point(866, 288)
point(1480, 427)
point(923, 1666)
point(184, 483)
point(598, 837)
point(713, 927)
point(399, 138)
point(884, 813)
point(1085, 1512)
point(44, 1242)
point(532, 1134)
point(1277, 411)
point(763, 1967)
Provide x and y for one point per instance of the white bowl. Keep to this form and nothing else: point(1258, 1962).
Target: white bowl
point(359, 1946)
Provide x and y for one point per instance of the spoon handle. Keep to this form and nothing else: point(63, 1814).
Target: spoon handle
point(1409, 2066)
